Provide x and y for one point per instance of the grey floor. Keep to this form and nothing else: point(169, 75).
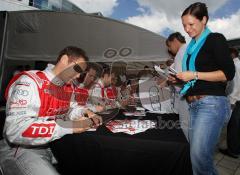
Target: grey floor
point(226, 165)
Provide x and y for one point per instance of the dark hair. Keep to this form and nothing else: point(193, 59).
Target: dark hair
point(95, 66)
point(176, 35)
point(198, 10)
point(106, 70)
point(73, 52)
point(233, 51)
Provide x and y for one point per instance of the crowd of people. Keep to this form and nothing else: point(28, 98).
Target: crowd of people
point(67, 97)
point(46, 105)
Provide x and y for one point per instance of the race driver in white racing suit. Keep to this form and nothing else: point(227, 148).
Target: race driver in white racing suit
point(39, 107)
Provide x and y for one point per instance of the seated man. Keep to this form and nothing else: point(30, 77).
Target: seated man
point(98, 95)
point(112, 91)
point(37, 113)
point(86, 82)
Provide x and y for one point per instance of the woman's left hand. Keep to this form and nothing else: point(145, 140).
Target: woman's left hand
point(185, 76)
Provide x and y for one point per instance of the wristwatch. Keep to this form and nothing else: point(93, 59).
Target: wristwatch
point(195, 75)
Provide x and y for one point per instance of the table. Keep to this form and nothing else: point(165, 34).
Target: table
point(160, 151)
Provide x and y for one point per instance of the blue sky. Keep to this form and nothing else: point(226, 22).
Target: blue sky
point(231, 7)
point(125, 9)
point(163, 16)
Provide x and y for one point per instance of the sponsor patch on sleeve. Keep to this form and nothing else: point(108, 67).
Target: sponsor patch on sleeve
point(37, 130)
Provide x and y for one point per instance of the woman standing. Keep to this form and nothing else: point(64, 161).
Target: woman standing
point(207, 66)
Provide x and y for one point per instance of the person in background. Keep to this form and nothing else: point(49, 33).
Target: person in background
point(113, 91)
point(206, 68)
point(37, 112)
point(92, 75)
point(133, 87)
point(176, 44)
point(233, 127)
point(98, 94)
point(87, 80)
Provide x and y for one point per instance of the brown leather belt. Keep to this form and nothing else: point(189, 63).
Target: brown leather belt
point(193, 98)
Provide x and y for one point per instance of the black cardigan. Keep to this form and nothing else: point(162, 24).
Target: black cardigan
point(214, 55)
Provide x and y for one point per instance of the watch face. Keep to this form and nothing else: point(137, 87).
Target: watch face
point(196, 75)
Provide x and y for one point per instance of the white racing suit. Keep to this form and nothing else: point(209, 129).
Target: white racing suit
point(99, 95)
point(37, 105)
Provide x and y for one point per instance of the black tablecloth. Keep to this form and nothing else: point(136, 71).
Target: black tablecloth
point(160, 151)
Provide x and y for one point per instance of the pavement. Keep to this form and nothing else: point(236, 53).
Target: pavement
point(226, 165)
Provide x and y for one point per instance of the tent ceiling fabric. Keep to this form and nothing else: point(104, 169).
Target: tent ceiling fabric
point(40, 35)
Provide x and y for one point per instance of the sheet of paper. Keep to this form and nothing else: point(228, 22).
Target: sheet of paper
point(130, 126)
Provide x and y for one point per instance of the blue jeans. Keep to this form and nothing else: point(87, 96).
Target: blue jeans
point(207, 118)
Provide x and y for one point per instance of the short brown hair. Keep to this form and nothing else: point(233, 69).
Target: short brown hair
point(106, 70)
point(72, 51)
point(176, 35)
point(95, 66)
